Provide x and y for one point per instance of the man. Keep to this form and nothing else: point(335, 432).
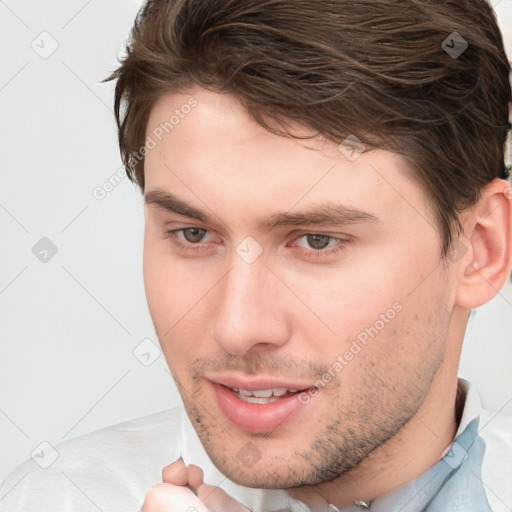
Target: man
point(326, 202)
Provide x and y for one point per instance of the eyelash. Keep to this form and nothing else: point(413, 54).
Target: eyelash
point(189, 247)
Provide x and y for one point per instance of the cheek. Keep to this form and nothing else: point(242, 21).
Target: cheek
point(383, 309)
point(164, 290)
point(156, 282)
point(176, 300)
point(168, 286)
point(354, 295)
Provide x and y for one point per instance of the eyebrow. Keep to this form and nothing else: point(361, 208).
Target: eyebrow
point(327, 214)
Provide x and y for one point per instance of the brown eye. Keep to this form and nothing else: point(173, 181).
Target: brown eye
point(193, 235)
point(318, 242)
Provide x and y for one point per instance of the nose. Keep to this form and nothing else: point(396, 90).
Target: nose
point(251, 309)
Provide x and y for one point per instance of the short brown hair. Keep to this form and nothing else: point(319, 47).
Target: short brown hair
point(395, 73)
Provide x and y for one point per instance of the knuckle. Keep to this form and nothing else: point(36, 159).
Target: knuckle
point(156, 497)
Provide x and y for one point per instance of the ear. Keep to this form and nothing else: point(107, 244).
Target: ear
point(487, 246)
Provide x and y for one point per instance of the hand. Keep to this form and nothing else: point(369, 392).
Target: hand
point(183, 490)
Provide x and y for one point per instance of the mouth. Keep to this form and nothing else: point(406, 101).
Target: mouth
point(258, 405)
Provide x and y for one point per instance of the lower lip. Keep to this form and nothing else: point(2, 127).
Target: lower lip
point(257, 418)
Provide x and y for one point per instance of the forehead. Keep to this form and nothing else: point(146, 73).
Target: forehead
point(207, 149)
point(203, 117)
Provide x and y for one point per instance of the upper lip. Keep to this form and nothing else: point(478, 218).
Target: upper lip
point(256, 383)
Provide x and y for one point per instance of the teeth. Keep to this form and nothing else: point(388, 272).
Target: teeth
point(263, 393)
point(258, 400)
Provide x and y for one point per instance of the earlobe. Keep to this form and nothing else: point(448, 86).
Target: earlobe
point(488, 228)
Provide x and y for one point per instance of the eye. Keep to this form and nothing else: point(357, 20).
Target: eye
point(193, 235)
point(191, 240)
point(318, 242)
point(320, 247)
point(196, 241)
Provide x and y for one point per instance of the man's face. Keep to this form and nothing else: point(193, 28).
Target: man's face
point(310, 267)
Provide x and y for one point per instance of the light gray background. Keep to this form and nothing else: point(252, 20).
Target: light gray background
point(70, 325)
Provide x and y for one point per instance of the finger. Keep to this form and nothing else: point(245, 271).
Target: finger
point(219, 501)
point(171, 498)
point(175, 473)
point(195, 476)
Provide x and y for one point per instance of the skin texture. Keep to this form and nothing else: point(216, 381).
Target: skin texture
point(389, 413)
